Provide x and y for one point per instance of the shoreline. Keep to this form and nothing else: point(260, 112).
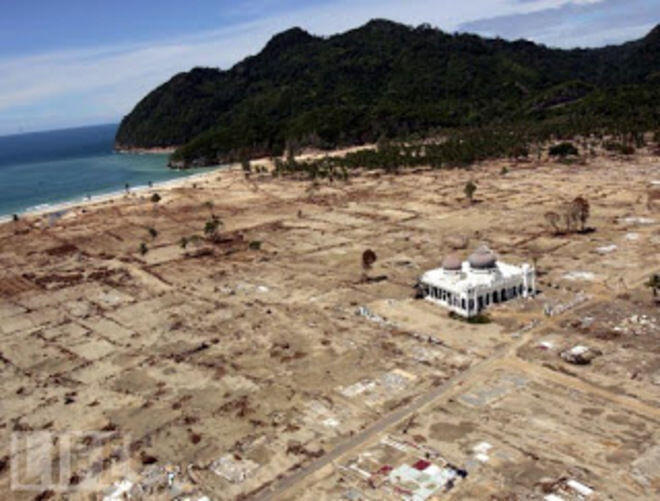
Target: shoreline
point(81, 202)
point(66, 206)
point(165, 150)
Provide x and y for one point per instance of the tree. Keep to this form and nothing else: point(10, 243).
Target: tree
point(571, 216)
point(152, 232)
point(539, 151)
point(576, 213)
point(368, 259)
point(580, 208)
point(155, 198)
point(211, 228)
point(291, 150)
point(383, 143)
point(143, 249)
point(469, 190)
point(654, 284)
point(212, 115)
point(246, 166)
point(553, 220)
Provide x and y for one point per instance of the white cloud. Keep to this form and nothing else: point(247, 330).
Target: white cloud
point(554, 36)
point(583, 24)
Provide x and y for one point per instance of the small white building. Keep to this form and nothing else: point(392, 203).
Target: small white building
point(468, 287)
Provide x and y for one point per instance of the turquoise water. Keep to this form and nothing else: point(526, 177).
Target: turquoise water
point(37, 170)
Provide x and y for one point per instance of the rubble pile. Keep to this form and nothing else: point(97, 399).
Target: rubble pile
point(557, 309)
point(234, 469)
point(580, 355)
point(637, 325)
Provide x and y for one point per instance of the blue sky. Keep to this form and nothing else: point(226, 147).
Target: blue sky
point(67, 63)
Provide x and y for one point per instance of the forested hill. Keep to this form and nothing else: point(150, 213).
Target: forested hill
point(386, 79)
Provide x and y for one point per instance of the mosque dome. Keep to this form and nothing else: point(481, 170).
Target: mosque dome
point(482, 259)
point(452, 263)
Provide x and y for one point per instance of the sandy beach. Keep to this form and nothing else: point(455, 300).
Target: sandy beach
point(141, 193)
point(79, 204)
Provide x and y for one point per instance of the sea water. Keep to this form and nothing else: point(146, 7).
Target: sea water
point(38, 170)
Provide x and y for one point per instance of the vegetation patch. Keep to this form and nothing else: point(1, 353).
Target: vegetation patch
point(386, 80)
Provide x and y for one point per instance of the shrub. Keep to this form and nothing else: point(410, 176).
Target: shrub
point(563, 150)
point(654, 283)
point(211, 228)
point(255, 245)
point(155, 198)
point(469, 190)
point(624, 149)
point(480, 318)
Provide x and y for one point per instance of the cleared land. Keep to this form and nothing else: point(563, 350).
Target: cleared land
point(244, 368)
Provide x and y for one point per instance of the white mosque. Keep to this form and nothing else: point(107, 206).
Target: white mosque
point(468, 287)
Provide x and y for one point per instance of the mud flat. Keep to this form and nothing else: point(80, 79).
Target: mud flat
point(232, 369)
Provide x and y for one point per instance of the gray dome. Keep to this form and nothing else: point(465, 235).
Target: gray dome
point(482, 259)
point(452, 263)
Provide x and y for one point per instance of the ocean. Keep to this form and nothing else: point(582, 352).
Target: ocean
point(41, 169)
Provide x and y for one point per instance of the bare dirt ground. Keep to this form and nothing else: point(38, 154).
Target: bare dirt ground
point(263, 366)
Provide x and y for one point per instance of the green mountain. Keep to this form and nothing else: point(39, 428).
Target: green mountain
point(386, 79)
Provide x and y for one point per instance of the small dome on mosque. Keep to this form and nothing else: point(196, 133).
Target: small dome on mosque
point(482, 258)
point(452, 263)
